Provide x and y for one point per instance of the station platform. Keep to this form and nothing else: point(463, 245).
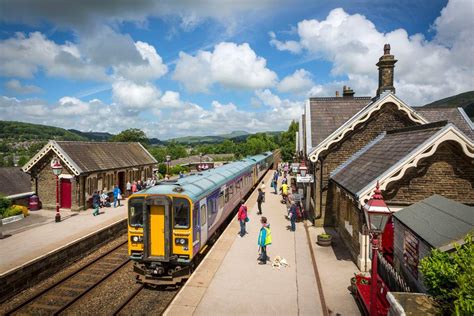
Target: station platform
point(38, 234)
point(230, 281)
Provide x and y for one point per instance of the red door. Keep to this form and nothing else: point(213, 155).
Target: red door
point(65, 193)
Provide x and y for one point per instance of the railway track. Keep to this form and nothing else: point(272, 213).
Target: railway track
point(59, 296)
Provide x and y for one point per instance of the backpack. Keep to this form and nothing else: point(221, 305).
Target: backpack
point(268, 238)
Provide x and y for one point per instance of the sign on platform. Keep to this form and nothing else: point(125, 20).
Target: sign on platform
point(306, 179)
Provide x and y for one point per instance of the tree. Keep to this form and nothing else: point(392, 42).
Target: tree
point(449, 278)
point(131, 135)
point(287, 142)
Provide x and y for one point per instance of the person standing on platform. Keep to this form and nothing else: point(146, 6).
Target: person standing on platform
point(139, 185)
point(263, 186)
point(129, 188)
point(242, 218)
point(134, 187)
point(275, 181)
point(117, 195)
point(292, 214)
point(264, 239)
point(260, 200)
point(95, 203)
point(284, 192)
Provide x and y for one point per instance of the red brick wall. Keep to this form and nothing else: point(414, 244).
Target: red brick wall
point(448, 173)
point(387, 118)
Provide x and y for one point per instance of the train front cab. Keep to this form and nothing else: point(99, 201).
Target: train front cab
point(160, 238)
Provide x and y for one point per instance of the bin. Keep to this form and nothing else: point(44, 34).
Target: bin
point(33, 203)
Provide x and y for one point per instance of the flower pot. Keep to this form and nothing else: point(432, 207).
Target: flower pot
point(324, 240)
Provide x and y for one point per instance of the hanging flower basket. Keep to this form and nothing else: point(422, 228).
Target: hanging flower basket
point(324, 240)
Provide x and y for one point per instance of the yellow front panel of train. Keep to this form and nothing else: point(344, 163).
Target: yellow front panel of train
point(157, 229)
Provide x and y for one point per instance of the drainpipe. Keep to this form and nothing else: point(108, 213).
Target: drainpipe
point(320, 190)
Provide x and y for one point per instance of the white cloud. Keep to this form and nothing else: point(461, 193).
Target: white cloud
point(17, 87)
point(134, 96)
point(230, 65)
point(425, 71)
point(24, 55)
point(291, 46)
point(299, 81)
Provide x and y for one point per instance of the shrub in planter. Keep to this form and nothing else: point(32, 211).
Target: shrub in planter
point(4, 205)
point(324, 239)
point(13, 211)
point(22, 208)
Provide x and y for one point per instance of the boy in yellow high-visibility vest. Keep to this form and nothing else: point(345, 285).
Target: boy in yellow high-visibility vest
point(264, 239)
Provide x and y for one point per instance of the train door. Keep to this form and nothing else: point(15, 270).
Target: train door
point(157, 236)
point(203, 220)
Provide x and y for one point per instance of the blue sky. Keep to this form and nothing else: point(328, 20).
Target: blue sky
point(175, 68)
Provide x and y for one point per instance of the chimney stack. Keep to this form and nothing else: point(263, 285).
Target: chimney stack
point(386, 65)
point(347, 92)
point(337, 94)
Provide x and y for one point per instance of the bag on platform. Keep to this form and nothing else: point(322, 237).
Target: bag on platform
point(119, 196)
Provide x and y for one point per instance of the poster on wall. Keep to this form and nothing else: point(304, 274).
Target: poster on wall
point(410, 253)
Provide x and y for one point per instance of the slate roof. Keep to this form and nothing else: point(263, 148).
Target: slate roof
point(14, 181)
point(452, 115)
point(328, 114)
point(372, 161)
point(94, 156)
point(438, 220)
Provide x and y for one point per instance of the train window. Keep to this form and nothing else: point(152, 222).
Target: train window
point(203, 214)
point(180, 213)
point(226, 196)
point(135, 212)
point(231, 189)
point(221, 199)
point(237, 184)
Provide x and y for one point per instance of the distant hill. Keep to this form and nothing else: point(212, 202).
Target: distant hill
point(94, 136)
point(26, 131)
point(463, 100)
point(235, 136)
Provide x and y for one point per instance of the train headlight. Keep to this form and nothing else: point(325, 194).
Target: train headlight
point(136, 239)
point(181, 241)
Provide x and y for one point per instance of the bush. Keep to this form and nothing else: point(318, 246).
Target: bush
point(21, 208)
point(448, 277)
point(14, 210)
point(4, 205)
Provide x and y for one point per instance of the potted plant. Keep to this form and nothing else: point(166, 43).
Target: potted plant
point(324, 240)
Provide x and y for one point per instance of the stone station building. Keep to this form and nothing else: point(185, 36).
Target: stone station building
point(351, 142)
point(87, 167)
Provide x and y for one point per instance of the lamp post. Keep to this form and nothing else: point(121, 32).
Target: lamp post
point(168, 159)
point(377, 215)
point(57, 169)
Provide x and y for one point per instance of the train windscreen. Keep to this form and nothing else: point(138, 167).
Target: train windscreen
point(181, 213)
point(135, 212)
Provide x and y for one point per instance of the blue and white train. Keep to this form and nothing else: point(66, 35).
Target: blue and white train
point(171, 224)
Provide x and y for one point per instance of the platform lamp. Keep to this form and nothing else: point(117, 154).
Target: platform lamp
point(303, 169)
point(168, 159)
point(57, 169)
point(377, 215)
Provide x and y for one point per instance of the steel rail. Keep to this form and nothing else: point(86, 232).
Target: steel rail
point(129, 298)
point(62, 280)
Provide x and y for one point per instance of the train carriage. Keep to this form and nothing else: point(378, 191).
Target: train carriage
point(171, 223)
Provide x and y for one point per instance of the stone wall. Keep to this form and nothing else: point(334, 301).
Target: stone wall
point(448, 173)
point(388, 118)
point(46, 185)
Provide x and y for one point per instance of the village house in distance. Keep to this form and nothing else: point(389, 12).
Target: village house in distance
point(353, 142)
point(87, 167)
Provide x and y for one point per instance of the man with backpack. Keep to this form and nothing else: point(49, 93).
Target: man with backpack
point(264, 239)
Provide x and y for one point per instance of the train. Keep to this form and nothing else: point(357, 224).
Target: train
point(171, 224)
